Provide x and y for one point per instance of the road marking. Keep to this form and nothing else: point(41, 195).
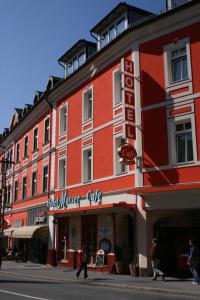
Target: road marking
point(22, 295)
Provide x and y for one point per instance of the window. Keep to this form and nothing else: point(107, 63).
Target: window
point(34, 183)
point(35, 139)
point(75, 63)
point(87, 165)
point(46, 131)
point(179, 66)
point(184, 143)
point(177, 62)
point(117, 91)
point(17, 153)
point(87, 104)
point(113, 31)
point(62, 173)
point(45, 179)
point(119, 167)
point(26, 146)
point(24, 183)
point(16, 191)
point(9, 195)
point(63, 119)
point(120, 26)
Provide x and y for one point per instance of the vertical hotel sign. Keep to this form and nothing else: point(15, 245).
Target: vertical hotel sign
point(127, 72)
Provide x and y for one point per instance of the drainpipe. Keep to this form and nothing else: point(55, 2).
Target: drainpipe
point(63, 66)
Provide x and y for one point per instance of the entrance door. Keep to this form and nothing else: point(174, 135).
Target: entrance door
point(89, 234)
point(63, 232)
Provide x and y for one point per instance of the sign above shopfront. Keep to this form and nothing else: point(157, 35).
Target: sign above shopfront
point(64, 202)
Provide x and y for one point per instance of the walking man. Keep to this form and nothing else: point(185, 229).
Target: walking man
point(84, 262)
point(193, 261)
point(155, 260)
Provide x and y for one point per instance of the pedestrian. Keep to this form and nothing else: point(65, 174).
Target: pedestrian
point(84, 261)
point(193, 261)
point(155, 260)
point(1, 255)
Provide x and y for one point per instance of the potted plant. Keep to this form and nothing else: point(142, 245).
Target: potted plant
point(118, 259)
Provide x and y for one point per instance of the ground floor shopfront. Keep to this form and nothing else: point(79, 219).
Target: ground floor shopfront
point(108, 224)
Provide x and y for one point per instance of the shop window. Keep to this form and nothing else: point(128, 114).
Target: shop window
point(18, 153)
point(87, 104)
point(24, 184)
point(184, 142)
point(16, 191)
point(63, 119)
point(62, 173)
point(35, 139)
point(64, 242)
point(46, 131)
point(117, 91)
point(26, 146)
point(119, 167)
point(45, 179)
point(87, 165)
point(34, 183)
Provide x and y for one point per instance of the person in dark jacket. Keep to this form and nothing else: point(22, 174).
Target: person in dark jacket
point(155, 260)
point(193, 261)
point(84, 261)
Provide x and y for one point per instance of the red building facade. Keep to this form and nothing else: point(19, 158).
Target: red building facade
point(139, 84)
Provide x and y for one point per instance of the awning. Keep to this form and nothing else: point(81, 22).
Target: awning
point(9, 231)
point(28, 232)
point(92, 209)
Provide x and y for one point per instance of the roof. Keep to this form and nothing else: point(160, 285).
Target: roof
point(117, 12)
point(75, 49)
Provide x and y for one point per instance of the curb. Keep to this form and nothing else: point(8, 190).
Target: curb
point(143, 289)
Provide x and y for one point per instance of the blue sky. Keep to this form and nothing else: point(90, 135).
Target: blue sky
point(34, 34)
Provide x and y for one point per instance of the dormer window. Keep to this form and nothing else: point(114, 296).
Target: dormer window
point(113, 31)
point(75, 63)
point(76, 56)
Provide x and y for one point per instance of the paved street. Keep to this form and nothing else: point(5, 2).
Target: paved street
point(32, 281)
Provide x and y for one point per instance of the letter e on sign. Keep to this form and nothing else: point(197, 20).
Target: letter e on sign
point(129, 114)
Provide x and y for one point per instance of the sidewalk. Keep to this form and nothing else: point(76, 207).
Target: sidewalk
point(144, 284)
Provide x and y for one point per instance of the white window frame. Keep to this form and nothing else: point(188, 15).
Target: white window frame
point(85, 104)
point(18, 152)
point(85, 173)
point(35, 148)
point(16, 198)
point(168, 49)
point(117, 164)
point(117, 87)
point(23, 198)
point(172, 122)
point(61, 130)
point(25, 147)
point(48, 129)
point(59, 175)
point(35, 181)
point(45, 166)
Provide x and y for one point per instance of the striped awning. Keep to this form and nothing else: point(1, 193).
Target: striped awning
point(28, 232)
